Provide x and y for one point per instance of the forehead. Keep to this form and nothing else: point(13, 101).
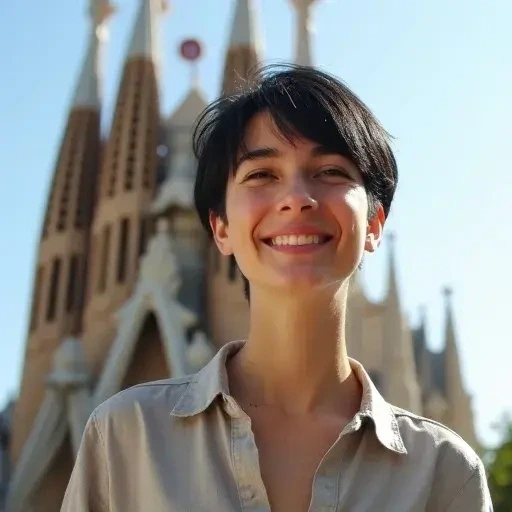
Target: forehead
point(262, 131)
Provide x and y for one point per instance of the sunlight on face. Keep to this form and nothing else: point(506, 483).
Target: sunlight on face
point(296, 213)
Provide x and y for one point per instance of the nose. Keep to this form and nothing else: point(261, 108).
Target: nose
point(297, 198)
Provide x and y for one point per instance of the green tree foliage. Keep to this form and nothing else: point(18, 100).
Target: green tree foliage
point(499, 469)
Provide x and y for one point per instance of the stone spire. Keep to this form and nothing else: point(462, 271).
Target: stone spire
point(303, 32)
point(144, 42)
point(59, 285)
point(401, 386)
point(127, 185)
point(459, 413)
point(88, 90)
point(244, 47)
point(452, 361)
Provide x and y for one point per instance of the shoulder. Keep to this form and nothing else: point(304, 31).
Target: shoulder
point(427, 439)
point(150, 400)
point(454, 471)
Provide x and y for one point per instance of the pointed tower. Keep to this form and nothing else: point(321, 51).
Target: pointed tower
point(244, 47)
point(303, 32)
point(175, 199)
point(57, 300)
point(127, 186)
point(401, 386)
point(459, 415)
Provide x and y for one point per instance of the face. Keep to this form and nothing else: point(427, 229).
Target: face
point(297, 214)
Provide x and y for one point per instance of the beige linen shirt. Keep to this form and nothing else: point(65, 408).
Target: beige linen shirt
point(185, 445)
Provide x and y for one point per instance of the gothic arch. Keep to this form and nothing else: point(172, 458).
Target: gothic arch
point(148, 359)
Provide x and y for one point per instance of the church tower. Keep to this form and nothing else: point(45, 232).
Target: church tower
point(58, 293)
point(227, 309)
point(401, 386)
point(127, 186)
point(459, 415)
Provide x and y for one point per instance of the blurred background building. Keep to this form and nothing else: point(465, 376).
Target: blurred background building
point(128, 288)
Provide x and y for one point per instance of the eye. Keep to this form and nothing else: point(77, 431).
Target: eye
point(259, 175)
point(335, 173)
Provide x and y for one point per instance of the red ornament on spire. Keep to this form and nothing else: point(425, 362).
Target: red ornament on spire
point(191, 49)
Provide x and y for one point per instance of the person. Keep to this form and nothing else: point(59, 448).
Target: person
point(295, 180)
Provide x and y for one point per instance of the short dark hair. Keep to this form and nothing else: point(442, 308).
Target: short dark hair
point(303, 102)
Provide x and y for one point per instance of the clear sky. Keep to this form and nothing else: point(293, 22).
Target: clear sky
point(438, 74)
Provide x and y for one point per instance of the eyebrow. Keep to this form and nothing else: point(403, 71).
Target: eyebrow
point(258, 154)
point(268, 152)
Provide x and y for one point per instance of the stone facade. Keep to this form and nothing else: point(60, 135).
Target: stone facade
point(139, 293)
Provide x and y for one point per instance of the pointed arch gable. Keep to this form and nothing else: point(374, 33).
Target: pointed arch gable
point(172, 319)
point(129, 320)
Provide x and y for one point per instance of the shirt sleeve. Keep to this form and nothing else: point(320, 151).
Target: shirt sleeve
point(474, 496)
point(88, 488)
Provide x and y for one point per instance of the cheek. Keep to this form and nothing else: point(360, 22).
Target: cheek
point(244, 210)
point(350, 207)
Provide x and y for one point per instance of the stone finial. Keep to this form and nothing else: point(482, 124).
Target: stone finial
point(88, 89)
point(100, 11)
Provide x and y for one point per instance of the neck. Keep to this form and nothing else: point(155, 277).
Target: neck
point(295, 358)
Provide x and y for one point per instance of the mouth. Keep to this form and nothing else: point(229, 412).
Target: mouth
point(293, 241)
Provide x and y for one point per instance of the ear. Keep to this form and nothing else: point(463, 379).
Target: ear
point(219, 229)
point(374, 230)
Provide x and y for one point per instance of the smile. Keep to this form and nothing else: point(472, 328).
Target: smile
point(297, 244)
point(295, 240)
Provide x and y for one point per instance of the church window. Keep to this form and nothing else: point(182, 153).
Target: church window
point(53, 295)
point(72, 285)
point(105, 247)
point(122, 256)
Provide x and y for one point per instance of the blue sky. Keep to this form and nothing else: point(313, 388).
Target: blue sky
point(438, 75)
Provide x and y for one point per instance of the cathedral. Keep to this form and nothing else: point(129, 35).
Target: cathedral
point(127, 287)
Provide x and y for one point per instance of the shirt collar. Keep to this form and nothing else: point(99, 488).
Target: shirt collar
point(212, 381)
point(375, 407)
point(208, 383)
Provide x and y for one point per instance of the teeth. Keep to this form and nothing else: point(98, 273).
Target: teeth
point(296, 240)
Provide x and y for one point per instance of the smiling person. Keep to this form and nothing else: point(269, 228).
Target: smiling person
point(295, 180)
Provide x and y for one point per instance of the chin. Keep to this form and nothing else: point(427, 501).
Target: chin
point(306, 282)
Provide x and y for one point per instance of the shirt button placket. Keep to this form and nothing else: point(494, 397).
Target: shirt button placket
point(247, 467)
point(325, 486)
